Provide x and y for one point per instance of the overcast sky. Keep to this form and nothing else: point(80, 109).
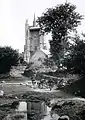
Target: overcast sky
point(13, 14)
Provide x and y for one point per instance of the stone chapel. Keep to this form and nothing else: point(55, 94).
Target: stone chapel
point(33, 40)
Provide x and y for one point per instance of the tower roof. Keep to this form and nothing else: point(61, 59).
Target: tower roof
point(34, 21)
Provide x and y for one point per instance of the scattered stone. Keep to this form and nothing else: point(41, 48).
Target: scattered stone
point(3, 81)
point(16, 97)
point(64, 117)
point(1, 93)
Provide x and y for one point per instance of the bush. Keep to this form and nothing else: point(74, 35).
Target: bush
point(75, 62)
point(28, 73)
point(8, 58)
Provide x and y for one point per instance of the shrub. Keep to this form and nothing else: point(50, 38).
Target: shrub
point(8, 58)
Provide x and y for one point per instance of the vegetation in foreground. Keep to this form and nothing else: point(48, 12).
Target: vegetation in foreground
point(73, 108)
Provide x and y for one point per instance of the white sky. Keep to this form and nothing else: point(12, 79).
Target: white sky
point(13, 14)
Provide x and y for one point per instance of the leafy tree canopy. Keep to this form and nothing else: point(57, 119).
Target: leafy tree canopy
point(60, 21)
point(75, 60)
point(8, 57)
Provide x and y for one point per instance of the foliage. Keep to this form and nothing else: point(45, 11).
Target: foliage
point(29, 72)
point(75, 60)
point(60, 21)
point(49, 63)
point(74, 109)
point(8, 57)
point(21, 59)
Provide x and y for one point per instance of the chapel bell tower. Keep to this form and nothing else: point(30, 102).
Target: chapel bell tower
point(33, 40)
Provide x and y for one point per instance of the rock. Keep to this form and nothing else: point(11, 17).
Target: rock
point(64, 117)
point(22, 83)
point(16, 97)
point(3, 81)
point(1, 93)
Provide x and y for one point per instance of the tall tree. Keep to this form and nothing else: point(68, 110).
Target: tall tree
point(60, 21)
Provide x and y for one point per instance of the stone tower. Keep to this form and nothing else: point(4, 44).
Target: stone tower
point(33, 40)
point(27, 42)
